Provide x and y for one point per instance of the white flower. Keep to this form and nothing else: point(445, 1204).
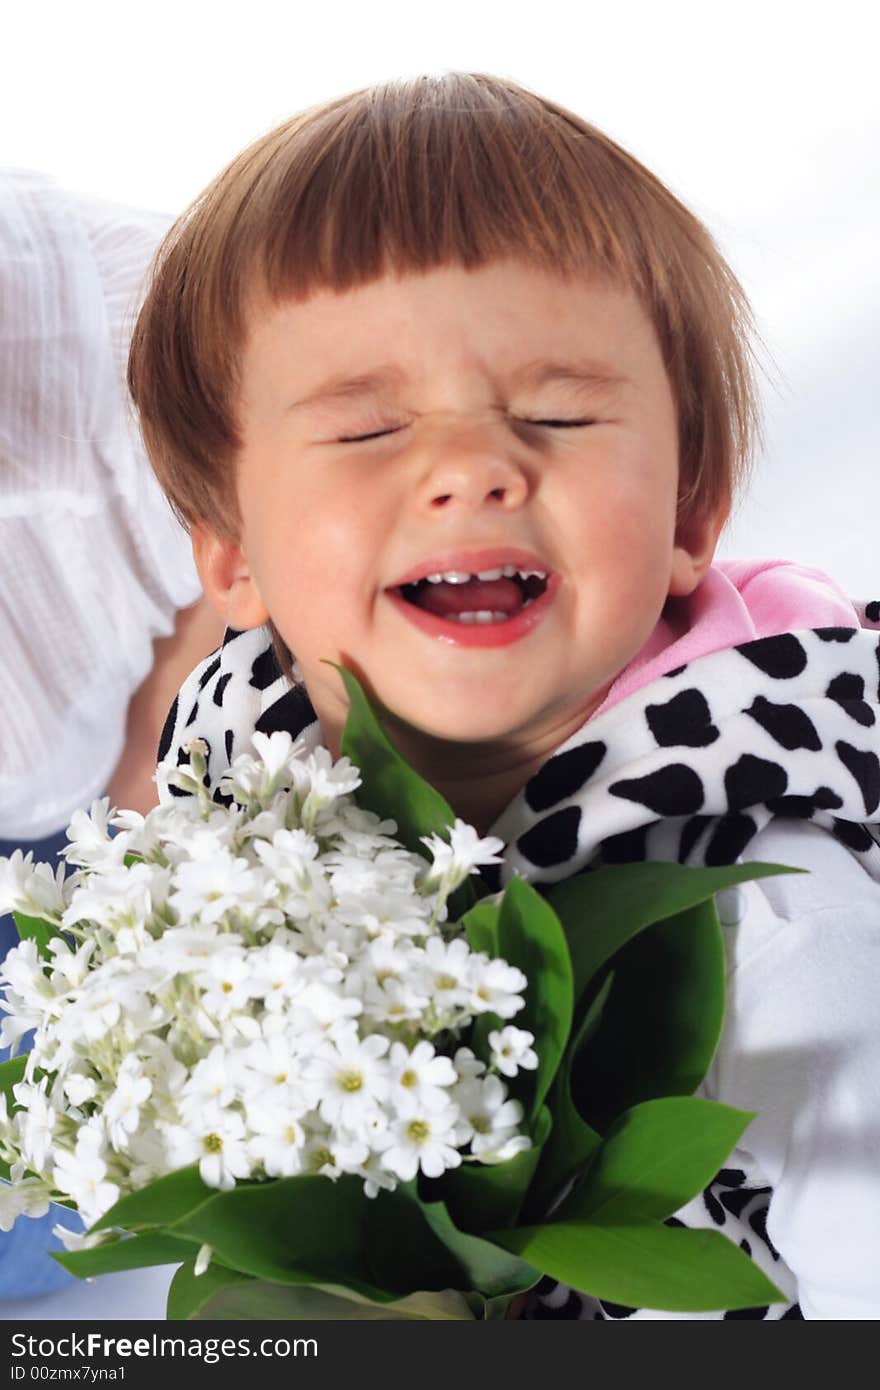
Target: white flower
point(448, 968)
point(275, 975)
point(490, 1116)
point(90, 839)
point(419, 1077)
point(234, 989)
point(512, 1050)
point(80, 1240)
point(123, 1107)
point(28, 1197)
point(216, 1141)
point(207, 889)
point(35, 890)
point(494, 986)
point(277, 1141)
point(210, 1084)
point(423, 1139)
point(37, 1121)
point(332, 1153)
point(81, 1175)
point(467, 1065)
point(352, 1075)
point(463, 855)
point(227, 982)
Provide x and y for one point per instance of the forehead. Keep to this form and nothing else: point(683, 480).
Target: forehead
point(526, 324)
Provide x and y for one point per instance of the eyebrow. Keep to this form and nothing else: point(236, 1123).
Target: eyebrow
point(538, 372)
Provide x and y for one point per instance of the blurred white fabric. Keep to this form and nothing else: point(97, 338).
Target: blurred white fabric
point(93, 565)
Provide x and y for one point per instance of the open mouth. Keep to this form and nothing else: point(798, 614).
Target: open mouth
point(493, 596)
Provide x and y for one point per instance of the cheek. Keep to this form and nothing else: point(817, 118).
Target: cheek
point(316, 561)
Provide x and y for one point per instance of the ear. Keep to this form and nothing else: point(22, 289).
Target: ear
point(695, 545)
point(227, 580)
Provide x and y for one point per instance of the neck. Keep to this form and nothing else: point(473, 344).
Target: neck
point(478, 780)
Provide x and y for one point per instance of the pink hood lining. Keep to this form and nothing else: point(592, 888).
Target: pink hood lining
point(737, 601)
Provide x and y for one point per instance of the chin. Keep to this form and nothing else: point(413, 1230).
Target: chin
point(466, 727)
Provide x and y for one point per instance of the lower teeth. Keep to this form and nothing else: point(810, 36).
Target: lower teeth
point(483, 616)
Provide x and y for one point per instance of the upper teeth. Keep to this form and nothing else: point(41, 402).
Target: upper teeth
point(462, 576)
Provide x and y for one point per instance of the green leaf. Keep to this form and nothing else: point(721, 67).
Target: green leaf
point(253, 1300)
point(530, 936)
point(189, 1293)
point(654, 1159)
point(302, 1230)
point(415, 1244)
point(35, 929)
point(402, 1250)
point(604, 909)
point(132, 1252)
point(478, 1195)
point(572, 1141)
point(645, 1266)
point(11, 1072)
point(481, 926)
point(661, 1022)
point(160, 1203)
point(391, 788)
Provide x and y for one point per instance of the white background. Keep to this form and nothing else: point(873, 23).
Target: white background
point(763, 117)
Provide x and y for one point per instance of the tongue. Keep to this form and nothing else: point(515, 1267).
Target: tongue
point(489, 595)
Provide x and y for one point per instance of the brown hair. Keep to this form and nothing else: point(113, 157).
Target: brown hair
point(410, 175)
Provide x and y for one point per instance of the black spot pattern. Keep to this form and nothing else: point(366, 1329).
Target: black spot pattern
point(220, 688)
point(167, 733)
point(836, 634)
point(751, 780)
point(552, 838)
point(265, 670)
point(865, 768)
point(691, 832)
point(684, 720)
point(564, 775)
point(675, 790)
point(209, 672)
point(294, 710)
point(853, 836)
point(848, 690)
point(782, 657)
point(788, 725)
point(626, 848)
point(729, 839)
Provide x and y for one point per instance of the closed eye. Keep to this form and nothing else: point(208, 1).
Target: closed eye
point(558, 424)
point(362, 438)
point(549, 424)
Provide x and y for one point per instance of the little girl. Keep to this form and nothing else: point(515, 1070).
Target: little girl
point(450, 390)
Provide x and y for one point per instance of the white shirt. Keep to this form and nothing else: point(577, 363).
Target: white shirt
point(801, 1046)
point(93, 564)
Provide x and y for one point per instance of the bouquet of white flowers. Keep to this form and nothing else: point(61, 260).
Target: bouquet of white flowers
point(272, 1042)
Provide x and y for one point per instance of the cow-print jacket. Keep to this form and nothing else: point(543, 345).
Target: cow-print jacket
point(690, 768)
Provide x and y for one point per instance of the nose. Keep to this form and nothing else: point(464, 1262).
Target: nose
point(469, 467)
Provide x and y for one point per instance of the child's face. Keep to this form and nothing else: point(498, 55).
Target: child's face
point(331, 524)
